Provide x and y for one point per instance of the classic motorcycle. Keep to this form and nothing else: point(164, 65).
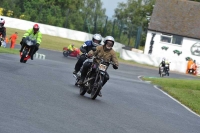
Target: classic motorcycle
point(75, 53)
point(94, 79)
point(164, 71)
point(78, 75)
point(25, 54)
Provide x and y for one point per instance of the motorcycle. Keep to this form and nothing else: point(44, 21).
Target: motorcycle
point(164, 71)
point(75, 53)
point(78, 75)
point(25, 54)
point(94, 79)
point(2, 43)
point(193, 69)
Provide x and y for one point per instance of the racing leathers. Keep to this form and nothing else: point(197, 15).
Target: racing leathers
point(85, 48)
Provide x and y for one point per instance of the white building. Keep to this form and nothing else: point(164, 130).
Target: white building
point(176, 25)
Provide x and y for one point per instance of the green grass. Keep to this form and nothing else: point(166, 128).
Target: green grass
point(185, 91)
point(8, 50)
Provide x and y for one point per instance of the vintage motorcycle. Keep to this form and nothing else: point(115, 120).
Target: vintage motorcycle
point(30, 43)
point(164, 71)
point(94, 79)
point(75, 53)
point(78, 75)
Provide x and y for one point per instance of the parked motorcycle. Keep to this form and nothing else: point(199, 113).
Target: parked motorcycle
point(164, 71)
point(25, 54)
point(75, 53)
point(94, 79)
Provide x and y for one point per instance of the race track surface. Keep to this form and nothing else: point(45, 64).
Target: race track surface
point(40, 96)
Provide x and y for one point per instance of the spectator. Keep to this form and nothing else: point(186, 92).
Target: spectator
point(13, 39)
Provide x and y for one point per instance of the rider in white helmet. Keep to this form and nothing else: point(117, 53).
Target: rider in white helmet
point(2, 29)
point(163, 63)
point(105, 52)
point(85, 48)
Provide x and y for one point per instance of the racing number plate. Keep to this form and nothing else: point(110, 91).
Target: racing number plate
point(102, 67)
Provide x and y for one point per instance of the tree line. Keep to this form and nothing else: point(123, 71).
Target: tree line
point(86, 15)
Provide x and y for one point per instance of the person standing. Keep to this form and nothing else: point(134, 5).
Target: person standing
point(13, 39)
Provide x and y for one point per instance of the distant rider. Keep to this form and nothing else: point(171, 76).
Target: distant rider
point(33, 33)
point(2, 30)
point(71, 48)
point(163, 63)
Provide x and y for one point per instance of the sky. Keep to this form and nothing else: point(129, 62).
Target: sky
point(110, 6)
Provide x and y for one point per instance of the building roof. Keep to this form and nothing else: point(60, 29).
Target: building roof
point(179, 17)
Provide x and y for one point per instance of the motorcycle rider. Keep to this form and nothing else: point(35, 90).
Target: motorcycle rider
point(103, 51)
point(71, 48)
point(2, 29)
point(34, 33)
point(85, 48)
point(163, 63)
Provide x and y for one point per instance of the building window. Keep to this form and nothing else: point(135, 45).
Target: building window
point(177, 40)
point(173, 39)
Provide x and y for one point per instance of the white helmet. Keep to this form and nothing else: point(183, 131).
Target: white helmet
point(2, 22)
point(109, 38)
point(98, 38)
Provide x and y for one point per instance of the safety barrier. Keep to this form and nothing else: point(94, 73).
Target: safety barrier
point(40, 56)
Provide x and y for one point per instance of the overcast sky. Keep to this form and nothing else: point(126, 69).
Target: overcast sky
point(110, 6)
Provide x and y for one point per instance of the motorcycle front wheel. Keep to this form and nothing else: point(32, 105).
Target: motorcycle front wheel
point(23, 56)
point(65, 53)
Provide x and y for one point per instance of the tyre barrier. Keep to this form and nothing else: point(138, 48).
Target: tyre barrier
point(40, 56)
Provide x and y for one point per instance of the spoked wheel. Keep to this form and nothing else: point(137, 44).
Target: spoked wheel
point(95, 91)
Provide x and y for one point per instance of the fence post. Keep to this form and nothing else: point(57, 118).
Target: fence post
point(137, 40)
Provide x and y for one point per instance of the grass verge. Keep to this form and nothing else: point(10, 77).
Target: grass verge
point(8, 50)
point(185, 91)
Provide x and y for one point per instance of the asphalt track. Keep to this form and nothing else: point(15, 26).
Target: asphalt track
point(40, 97)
